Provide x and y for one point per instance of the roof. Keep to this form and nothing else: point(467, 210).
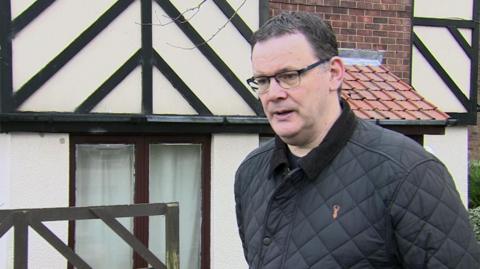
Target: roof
point(374, 92)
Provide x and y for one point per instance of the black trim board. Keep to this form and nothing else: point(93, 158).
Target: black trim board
point(210, 54)
point(459, 118)
point(436, 22)
point(180, 86)
point(264, 11)
point(6, 83)
point(168, 124)
point(29, 15)
point(121, 124)
point(474, 71)
point(31, 86)
point(147, 75)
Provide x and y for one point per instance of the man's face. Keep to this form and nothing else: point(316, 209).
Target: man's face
point(300, 114)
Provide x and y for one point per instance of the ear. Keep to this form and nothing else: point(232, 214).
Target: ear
point(337, 71)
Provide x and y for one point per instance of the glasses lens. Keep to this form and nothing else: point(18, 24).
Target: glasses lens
point(288, 79)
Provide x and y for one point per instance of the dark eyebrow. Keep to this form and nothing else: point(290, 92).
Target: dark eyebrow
point(283, 70)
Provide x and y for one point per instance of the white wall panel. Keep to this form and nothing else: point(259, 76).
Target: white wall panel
point(40, 178)
point(446, 9)
point(448, 53)
point(126, 97)
point(228, 151)
point(248, 10)
point(4, 191)
point(452, 150)
point(194, 69)
point(429, 84)
point(18, 6)
point(467, 35)
point(166, 99)
point(92, 66)
point(50, 33)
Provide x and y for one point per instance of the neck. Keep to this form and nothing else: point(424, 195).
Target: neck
point(304, 148)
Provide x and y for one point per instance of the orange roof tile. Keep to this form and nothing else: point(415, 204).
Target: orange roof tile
point(373, 92)
point(385, 86)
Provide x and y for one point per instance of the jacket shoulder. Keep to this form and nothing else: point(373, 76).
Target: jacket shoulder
point(259, 153)
point(395, 146)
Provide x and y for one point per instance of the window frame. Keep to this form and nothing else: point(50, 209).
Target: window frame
point(141, 189)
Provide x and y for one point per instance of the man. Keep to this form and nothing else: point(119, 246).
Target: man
point(332, 190)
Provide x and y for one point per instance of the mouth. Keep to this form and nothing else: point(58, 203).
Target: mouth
point(282, 114)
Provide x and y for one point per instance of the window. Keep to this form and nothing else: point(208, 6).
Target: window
point(109, 170)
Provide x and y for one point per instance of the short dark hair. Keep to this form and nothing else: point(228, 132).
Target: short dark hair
point(317, 31)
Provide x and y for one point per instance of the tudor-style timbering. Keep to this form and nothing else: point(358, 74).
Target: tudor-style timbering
point(444, 55)
point(96, 60)
point(106, 52)
point(445, 71)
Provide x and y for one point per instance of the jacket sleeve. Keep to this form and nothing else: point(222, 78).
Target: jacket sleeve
point(430, 224)
point(238, 210)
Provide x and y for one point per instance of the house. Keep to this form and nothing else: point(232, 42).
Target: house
point(129, 101)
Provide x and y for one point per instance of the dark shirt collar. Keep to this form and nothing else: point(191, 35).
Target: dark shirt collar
point(318, 158)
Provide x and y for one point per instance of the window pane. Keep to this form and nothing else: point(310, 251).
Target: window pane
point(104, 176)
point(175, 176)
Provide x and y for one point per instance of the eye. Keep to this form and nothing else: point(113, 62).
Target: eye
point(288, 77)
point(262, 81)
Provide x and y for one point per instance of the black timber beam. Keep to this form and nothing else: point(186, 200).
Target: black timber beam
point(264, 9)
point(171, 124)
point(6, 86)
point(147, 77)
point(29, 15)
point(419, 21)
point(234, 18)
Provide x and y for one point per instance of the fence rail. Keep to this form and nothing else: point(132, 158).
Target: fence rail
point(21, 219)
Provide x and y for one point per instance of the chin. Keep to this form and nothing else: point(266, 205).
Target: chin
point(286, 134)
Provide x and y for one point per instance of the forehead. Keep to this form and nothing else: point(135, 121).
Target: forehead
point(281, 53)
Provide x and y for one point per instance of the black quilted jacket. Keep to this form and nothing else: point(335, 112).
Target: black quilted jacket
point(365, 198)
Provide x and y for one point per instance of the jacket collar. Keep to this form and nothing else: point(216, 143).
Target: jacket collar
point(317, 159)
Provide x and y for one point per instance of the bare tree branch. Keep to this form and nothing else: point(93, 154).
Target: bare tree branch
point(193, 10)
point(216, 32)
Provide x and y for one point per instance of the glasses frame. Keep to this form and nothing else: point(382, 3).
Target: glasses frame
point(251, 81)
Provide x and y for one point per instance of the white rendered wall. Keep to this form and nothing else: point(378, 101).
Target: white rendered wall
point(452, 150)
point(227, 153)
point(445, 9)
point(4, 190)
point(35, 170)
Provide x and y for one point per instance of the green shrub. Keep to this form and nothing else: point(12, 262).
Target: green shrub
point(474, 184)
point(475, 220)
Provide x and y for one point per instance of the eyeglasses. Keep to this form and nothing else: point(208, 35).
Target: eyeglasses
point(286, 80)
